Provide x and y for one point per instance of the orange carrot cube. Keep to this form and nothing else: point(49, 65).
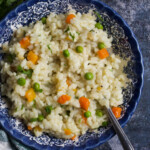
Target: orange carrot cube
point(103, 53)
point(32, 57)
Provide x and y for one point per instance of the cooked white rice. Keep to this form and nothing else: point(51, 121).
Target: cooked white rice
point(53, 69)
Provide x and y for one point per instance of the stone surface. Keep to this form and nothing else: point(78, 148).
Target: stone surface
point(137, 15)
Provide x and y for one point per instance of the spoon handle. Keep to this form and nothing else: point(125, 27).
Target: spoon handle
point(121, 134)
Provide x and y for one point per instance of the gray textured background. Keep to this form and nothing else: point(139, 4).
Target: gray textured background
point(137, 15)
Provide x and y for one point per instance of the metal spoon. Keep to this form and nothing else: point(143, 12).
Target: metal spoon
point(126, 144)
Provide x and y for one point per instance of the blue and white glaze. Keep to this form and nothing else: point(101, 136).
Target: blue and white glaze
point(116, 27)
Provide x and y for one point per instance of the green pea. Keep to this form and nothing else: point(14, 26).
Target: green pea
point(40, 118)
point(99, 26)
point(33, 119)
point(66, 53)
point(43, 20)
point(99, 113)
point(101, 45)
point(88, 76)
point(21, 81)
point(48, 109)
point(79, 49)
point(36, 86)
point(105, 123)
point(87, 114)
point(19, 68)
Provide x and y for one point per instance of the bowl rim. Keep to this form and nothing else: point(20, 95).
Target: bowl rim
point(24, 140)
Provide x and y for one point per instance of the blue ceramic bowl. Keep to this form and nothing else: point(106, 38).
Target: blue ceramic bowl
point(124, 44)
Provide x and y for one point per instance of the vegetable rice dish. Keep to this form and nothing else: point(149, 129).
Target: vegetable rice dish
point(60, 73)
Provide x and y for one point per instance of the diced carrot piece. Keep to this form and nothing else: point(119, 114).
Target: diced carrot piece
point(30, 95)
point(73, 138)
point(25, 42)
point(117, 111)
point(63, 99)
point(69, 17)
point(84, 103)
point(68, 81)
point(103, 53)
point(29, 128)
point(32, 57)
point(67, 131)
